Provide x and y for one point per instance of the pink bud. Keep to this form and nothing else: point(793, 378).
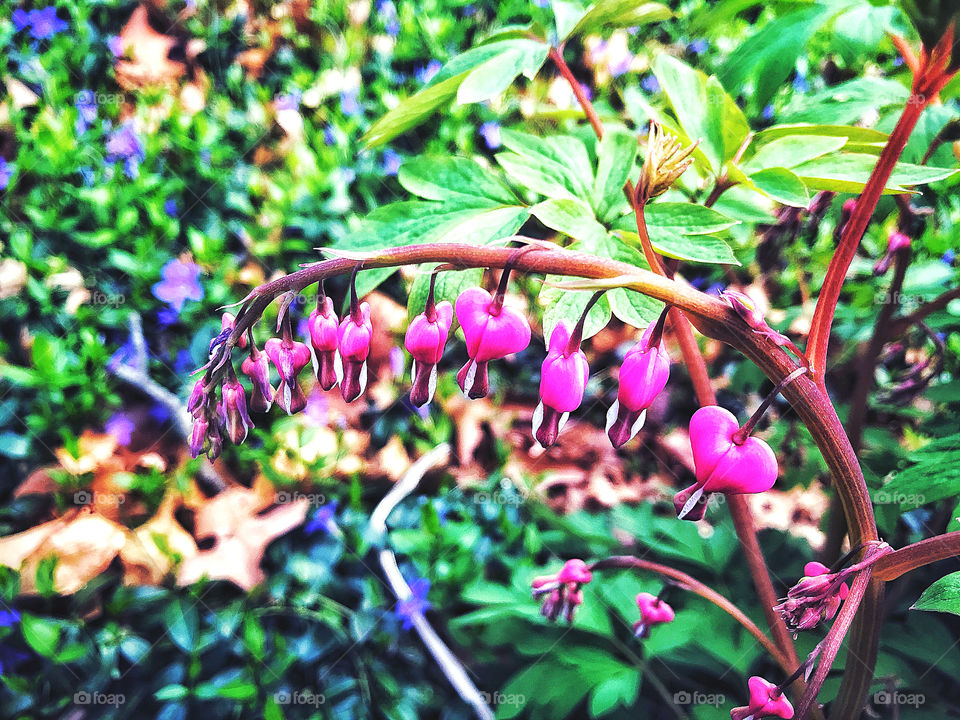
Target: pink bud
point(198, 437)
point(196, 397)
point(563, 380)
point(492, 331)
point(766, 700)
point(289, 357)
point(323, 325)
point(574, 571)
point(425, 341)
point(643, 376)
point(257, 368)
point(746, 308)
point(237, 420)
point(228, 322)
point(561, 592)
point(896, 241)
point(723, 465)
point(354, 337)
point(653, 611)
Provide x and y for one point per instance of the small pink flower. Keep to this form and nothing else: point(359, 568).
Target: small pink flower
point(289, 357)
point(323, 325)
point(643, 375)
point(563, 380)
point(354, 337)
point(256, 366)
point(492, 331)
point(196, 396)
point(653, 611)
point(815, 597)
point(227, 322)
point(724, 462)
point(896, 242)
point(766, 700)
point(562, 590)
point(198, 437)
point(237, 421)
point(425, 340)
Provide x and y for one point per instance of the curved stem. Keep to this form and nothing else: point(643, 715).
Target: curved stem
point(911, 557)
point(693, 585)
point(556, 55)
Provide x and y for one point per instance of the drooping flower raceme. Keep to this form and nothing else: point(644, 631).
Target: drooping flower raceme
point(653, 611)
point(323, 325)
point(492, 331)
point(563, 379)
point(561, 592)
point(766, 700)
point(724, 461)
point(643, 375)
point(425, 340)
point(816, 597)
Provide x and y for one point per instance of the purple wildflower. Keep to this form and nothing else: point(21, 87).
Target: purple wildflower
point(391, 162)
point(115, 45)
point(8, 617)
point(43, 23)
point(329, 135)
point(21, 19)
point(490, 131)
point(323, 520)
point(86, 105)
point(698, 46)
point(409, 608)
point(349, 105)
point(6, 171)
point(170, 207)
point(124, 144)
point(800, 83)
point(121, 427)
point(180, 283)
point(317, 408)
point(767, 113)
point(426, 73)
point(388, 13)
point(290, 101)
point(650, 84)
point(948, 257)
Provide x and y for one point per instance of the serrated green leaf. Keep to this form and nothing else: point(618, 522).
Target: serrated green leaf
point(616, 154)
point(792, 150)
point(629, 306)
point(572, 218)
point(496, 74)
point(607, 14)
point(618, 689)
point(848, 172)
point(569, 305)
point(469, 182)
point(942, 596)
point(563, 155)
point(692, 248)
point(781, 185)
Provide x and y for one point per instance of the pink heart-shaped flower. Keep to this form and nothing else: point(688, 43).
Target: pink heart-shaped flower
point(721, 464)
point(490, 336)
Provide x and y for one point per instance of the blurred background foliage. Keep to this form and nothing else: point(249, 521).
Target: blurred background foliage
point(159, 160)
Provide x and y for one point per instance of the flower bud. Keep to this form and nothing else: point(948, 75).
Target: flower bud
point(196, 397)
point(354, 337)
point(425, 340)
point(653, 611)
point(289, 357)
point(492, 331)
point(666, 161)
point(256, 366)
point(563, 380)
point(198, 437)
point(323, 325)
point(643, 375)
point(895, 242)
point(561, 592)
point(237, 421)
point(228, 322)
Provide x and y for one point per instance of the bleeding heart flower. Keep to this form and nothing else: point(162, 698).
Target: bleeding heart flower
point(492, 331)
point(643, 375)
point(425, 340)
point(653, 611)
point(354, 337)
point(562, 591)
point(237, 421)
point(256, 366)
point(563, 380)
point(289, 357)
point(725, 462)
point(323, 325)
point(766, 700)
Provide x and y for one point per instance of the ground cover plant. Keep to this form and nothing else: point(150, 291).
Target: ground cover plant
point(259, 260)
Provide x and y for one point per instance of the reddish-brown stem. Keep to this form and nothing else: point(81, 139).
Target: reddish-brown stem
point(649, 254)
point(902, 324)
point(687, 582)
point(914, 556)
point(556, 55)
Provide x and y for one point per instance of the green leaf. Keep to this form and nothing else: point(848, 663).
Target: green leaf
point(608, 14)
point(562, 155)
point(42, 634)
point(682, 218)
point(569, 305)
point(693, 248)
point(848, 172)
point(845, 103)
point(734, 126)
point(629, 306)
point(182, 624)
point(781, 185)
point(851, 133)
point(700, 116)
point(412, 111)
point(498, 73)
point(616, 154)
point(469, 182)
point(572, 218)
point(934, 476)
point(942, 596)
point(618, 689)
point(448, 287)
point(790, 151)
point(770, 55)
